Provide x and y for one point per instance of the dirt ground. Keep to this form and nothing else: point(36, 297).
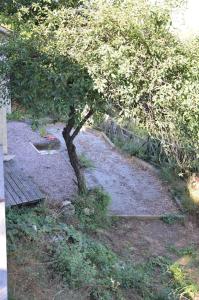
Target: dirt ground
point(134, 190)
point(137, 241)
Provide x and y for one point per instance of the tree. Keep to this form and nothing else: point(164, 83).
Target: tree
point(117, 56)
point(48, 83)
point(142, 68)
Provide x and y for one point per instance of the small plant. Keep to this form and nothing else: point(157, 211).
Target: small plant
point(91, 208)
point(184, 285)
point(42, 131)
point(172, 218)
point(130, 148)
point(16, 115)
point(189, 250)
point(85, 162)
point(35, 124)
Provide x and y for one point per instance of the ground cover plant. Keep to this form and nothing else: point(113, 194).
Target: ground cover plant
point(41, 243)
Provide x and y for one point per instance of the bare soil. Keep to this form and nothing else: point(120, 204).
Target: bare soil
point(139, 240)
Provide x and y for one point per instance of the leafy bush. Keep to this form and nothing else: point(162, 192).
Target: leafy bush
point(91, 208)
point(11, 7)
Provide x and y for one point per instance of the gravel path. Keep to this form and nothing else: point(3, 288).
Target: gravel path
point(52, 173)
point(134, 190)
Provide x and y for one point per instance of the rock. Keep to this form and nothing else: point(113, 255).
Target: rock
point(57, 238)
point(68, 209)
point(66, 203)
point(89, 211)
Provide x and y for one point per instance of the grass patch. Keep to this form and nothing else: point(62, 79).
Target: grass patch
point(178, 186)
point(43, 249)
point(172, 219)
point(130, 148)
point(85, 162)
point(16, 116)
point(81, 262)
point(91, 209)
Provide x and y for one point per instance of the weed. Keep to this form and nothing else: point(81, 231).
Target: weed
point(42, 131)
point(184, 286)
point(85, 162)
point(35, 124)
point(172, 218)
point(189, 250)
point(91, 208)
point(130, 148)
point(177, 185)
point(86, 264)
point(16, 115)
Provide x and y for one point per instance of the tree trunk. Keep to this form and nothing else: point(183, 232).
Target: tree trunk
point(69, 135)
point(81, 182)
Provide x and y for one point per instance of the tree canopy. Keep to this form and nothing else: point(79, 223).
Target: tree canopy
point(109, 56)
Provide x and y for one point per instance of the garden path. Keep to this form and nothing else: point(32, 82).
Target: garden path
point(134, 189)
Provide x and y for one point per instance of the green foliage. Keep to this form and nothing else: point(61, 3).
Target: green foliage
point(15, 115)
point(24, 223)
point(80, 260)
point(91, 208)
point(85, 162)
point(73, 266)
point(186, 287)
point(189, 250)
point(11, 7)
point(172, 218)
point(111, 56)
point(42, 131)
point(85, 263)
point(130, 148)
point(88, 263)
point(141, 68)
point(178, 186)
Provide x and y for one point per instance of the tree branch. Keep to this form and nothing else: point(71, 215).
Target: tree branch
point(77, 130)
